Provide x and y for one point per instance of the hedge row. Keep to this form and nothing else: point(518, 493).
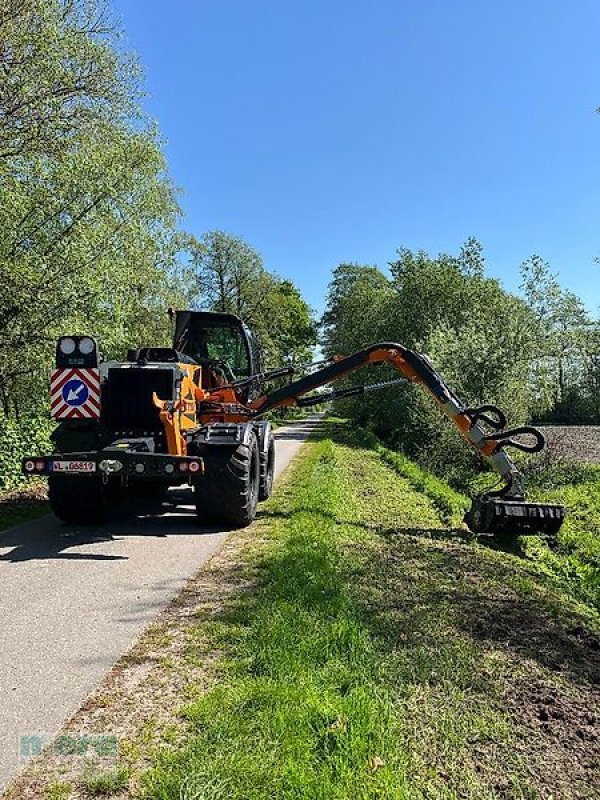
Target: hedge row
point(17, 439)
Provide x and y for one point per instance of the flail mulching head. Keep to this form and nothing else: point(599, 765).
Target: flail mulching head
point(496, 515)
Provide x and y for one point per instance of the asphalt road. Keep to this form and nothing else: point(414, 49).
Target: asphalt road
point(73, 600)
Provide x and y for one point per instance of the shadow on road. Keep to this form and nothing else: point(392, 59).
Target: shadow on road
point(47, 537)
point(299, 430)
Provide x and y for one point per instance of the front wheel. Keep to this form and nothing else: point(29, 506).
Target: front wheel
point(228, 492)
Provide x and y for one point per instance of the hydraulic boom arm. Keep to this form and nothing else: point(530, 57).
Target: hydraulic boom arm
point(482, 427)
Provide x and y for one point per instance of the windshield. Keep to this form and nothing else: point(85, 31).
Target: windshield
point(219, 343)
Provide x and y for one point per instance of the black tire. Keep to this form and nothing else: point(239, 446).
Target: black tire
point(77, 499)
point(228, 492)
point(267, 472)
point(147, 490)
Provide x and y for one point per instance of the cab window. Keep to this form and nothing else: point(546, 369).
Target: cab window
point(224, 344)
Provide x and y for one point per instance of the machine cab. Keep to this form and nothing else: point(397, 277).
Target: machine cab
point(217, 339)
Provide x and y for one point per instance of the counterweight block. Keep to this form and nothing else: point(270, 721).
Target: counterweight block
point(514, 517)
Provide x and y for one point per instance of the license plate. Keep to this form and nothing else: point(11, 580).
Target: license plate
point(73, 466)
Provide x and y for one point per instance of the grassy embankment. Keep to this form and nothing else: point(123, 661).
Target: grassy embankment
point(381, 655)
point(573, 560)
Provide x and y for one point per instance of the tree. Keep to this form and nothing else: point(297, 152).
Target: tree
point(477, 335)
point(357, 308)
point(563, 333)
point(287, 329)
point(229, 275)
point(61, 74)
point(88, 216)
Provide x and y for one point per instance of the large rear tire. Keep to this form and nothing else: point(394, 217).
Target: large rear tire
point(77, 499)
point(228, 492)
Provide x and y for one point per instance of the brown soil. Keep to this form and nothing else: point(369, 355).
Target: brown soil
point(573, 442)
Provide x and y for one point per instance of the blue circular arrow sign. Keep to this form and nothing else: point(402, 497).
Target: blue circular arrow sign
point(75, 392)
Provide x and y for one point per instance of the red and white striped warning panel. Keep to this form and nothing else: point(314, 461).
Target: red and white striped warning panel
point(75, 393)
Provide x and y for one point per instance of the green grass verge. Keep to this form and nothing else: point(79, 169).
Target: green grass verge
point(378, 656)
point(575, 560)
point(98, 782)
point(450, 503)
point(21, 506)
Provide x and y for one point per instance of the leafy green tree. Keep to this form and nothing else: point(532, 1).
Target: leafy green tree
point(61, 75)
point(357, 308)
point(564, 336)
point(288, 328)
point(88, 217)
point(478, 336)
point(229, 275)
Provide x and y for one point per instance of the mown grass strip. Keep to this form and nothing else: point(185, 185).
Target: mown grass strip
point(450, 503)
point(573, 562)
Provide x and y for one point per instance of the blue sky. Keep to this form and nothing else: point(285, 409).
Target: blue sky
point(324, 131)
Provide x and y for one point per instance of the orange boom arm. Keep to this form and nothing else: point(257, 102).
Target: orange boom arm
point(480, 427)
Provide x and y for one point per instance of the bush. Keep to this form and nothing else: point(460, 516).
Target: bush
point(19, 438)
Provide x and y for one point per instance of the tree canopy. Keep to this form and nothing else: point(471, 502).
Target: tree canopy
point(87, 212)
point(229, 275)
point(530, 354)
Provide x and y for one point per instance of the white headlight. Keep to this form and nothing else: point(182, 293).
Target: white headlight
point(66, 346)
point(86, 346)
